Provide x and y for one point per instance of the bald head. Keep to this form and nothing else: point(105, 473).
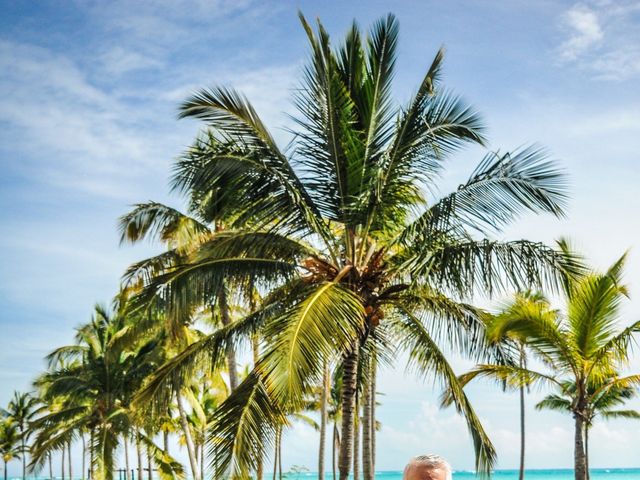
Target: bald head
point(427, 467)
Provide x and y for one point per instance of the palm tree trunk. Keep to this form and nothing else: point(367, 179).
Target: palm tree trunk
point(255, 347)
point(336, 446)
point(91, 454)
point(356, 443)
point(50, 467)
point(280, 454)
point(69, 457)
point(586, 450)
point(139, 453)
point(202, 461)
point(125, 444)
point(366, 431)
point(349, 384)
point(323, 421)
point(231, 352)
point(165, 441)
point(522, 419)
point(188, 438)
point(84, 457)
point(275, 456)
point(149, 465)
point(24, 454)
point(62, 470)
point(5, 470)
point(374, 373)
point(579, 454)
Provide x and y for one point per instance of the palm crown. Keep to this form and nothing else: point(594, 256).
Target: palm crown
point(340, 232)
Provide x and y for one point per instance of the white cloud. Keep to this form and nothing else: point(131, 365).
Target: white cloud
point(584, 31)
point(119, 60)
point(602, 38)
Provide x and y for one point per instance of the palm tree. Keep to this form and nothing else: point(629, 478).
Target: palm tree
point(582, 347)
point(10, 447)
point(22, 410)
point(602, 402)
point(342, 231)
point(91, 381)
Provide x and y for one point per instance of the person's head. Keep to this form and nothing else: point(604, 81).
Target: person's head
point(427, 467)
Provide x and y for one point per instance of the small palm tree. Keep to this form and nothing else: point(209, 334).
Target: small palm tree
point(22, 409)
point(582, 347)
point(10, 447)
point(603, 402)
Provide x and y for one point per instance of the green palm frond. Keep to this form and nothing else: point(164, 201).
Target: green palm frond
point(161, 223)
point(426, 358)
point(168, 467)
point(325, 323)
point(467, 266)
point(243, 428)
point(625, 414)
point(498, 191)
point(554, 402)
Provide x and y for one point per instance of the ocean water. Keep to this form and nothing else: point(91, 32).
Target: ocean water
point(557, 474)
point(560, 474)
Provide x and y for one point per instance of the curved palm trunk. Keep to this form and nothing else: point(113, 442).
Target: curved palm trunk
point(231, 352)
point(193, 462)
point(323, 421)
point(349, 384)
point(579, 453)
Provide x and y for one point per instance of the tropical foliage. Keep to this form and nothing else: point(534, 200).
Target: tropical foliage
point(325, 258)
point(583, 349)
point(340, 233)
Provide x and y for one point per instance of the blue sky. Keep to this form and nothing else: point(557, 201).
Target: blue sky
point(88, 127)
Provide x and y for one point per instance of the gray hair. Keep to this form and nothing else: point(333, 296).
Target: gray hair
point(432, 461)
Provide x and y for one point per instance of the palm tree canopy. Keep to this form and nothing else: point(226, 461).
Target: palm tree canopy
point(342, 229)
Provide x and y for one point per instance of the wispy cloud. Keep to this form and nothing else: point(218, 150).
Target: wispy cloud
point(602, 38)
point(585, 31)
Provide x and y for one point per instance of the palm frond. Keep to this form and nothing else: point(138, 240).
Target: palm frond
point(325, 323)
point(426, 358)
point(243, 427)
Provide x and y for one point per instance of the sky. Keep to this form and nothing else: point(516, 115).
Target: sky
point(88, 127)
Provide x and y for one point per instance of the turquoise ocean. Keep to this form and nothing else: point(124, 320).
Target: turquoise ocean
point(556, 474)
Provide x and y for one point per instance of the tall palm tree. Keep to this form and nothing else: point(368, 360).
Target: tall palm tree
point(581, 346)
point(603, 402)
point(22, 409)
point(10, 447)
point(342, 230)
